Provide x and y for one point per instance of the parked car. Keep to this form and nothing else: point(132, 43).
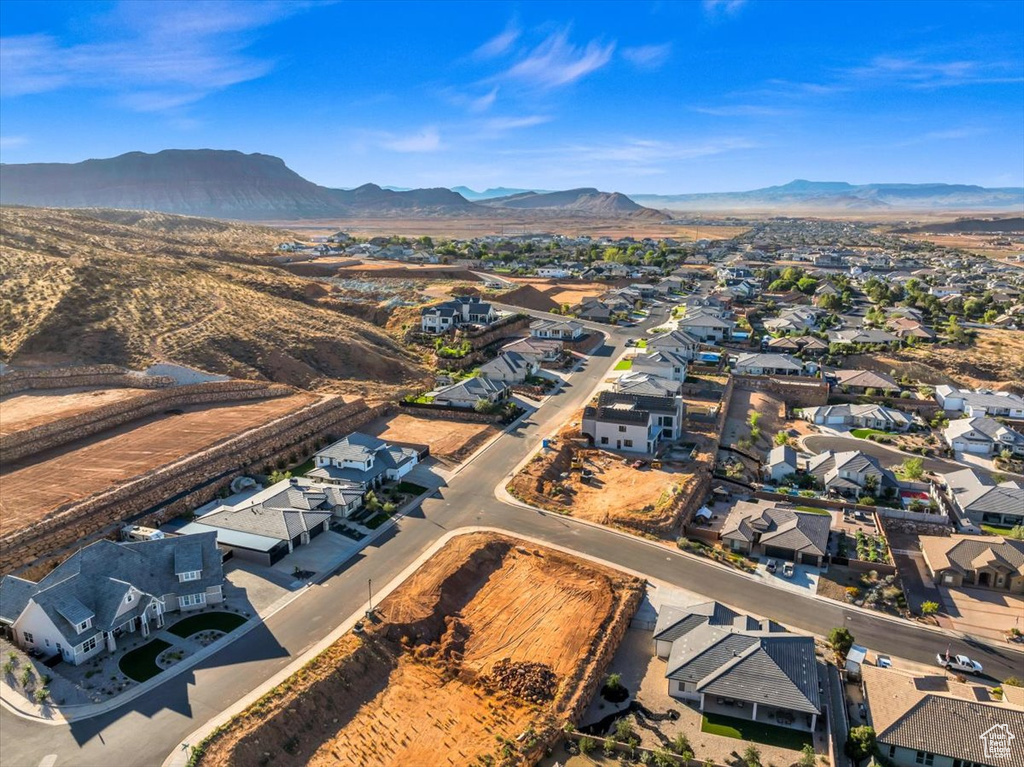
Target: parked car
point(639, 464)
point(959, 663)
point(787, 569)
point(772, 566)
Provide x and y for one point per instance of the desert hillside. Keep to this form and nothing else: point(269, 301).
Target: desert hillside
point(131, 289)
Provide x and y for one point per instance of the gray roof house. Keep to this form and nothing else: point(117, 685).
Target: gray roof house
point(870, 416)
point(731, 664)
point(978, 499)
point(633, 422)
point(982, 435)
point(847, 472)
point(706, 326)
point(677, 342)
point(459, 311)
point(509, 367)
point(782, 461)
point(666, 364)
point(363, 460)
point(755, 364)
point(107, 590)
point(632, 382)
point(774, 531)
point(467, 393)
point(563, 330)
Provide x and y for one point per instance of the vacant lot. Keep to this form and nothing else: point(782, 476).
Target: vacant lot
point(448, 440)
point(27, 410)
point(616, 494)
point(29, 491)
point(428, 682)
point(546, 295)
point(771, 420)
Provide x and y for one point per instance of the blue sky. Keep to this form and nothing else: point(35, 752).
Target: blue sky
point(640, 97)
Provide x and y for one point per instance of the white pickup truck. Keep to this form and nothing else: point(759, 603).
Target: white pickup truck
point(959, 663)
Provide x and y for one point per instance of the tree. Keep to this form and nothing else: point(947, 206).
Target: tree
point(623, 730)
point(1013, 681)
point(929, 608)
point(860, 743)
point(752, 756)
point(587, 745)
point(807, 756)
point(913, 468)
point(681, 745)
point(841, 640)
point(1016, 533)
point(781, 438)
point(277, 476)
point(613, 681)
point(807, 285)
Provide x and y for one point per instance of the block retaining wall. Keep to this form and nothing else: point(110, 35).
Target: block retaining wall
point(805, 392)
point(110, 376)
point(181, 486)
point(21, 444)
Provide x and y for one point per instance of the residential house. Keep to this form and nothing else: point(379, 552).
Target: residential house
point(782, 461)
point(705, 326)
point(977, 499)
point(904, 327)
point(540, 350)
point(463, 310)
point(363, 459)
point(982, 436)
point(661, 363)
point(633, 423)
point(851, 472)
point(470, 391)
point(980, 402)
point(932, 721)
point(106, 591)
point(677, 342)
point(793, 320)
point(764, 530)
point(563, 330)
point(871, 416)
point(861, 336)
point(754, 364)
point(985, 561)
point(593, 310)
point(859, 381)
point(555, 272)
point(647, 384)
point(731, 664)
point(509, 367)
point(783, 345)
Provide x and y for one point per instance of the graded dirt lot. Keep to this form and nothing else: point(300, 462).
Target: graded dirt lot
point(448, 440)
point(772, 411)
point(487, 641)
point(617, 494)
point(29, 491)
point(29, 409)
point(549, 295)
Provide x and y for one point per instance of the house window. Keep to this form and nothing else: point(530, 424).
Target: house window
point(622, 428)
point(89, 644)
point(926, 758)
point(191, 575)
point(28, 637)
point(190, 600)
point(604, 440)
point(627, 443)
point(82, 626)
point(892, 752)
point(129, 598)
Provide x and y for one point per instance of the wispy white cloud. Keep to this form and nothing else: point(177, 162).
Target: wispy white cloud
point(426, 140)
point(921, 73)
point(151, 56)
point(485, 102)
point(556, 62)
point(499, 44)
point(946, 134)
point(12, 142)
point(648, 56)
point(718, 8)
point(500, 124)
point(744, 110)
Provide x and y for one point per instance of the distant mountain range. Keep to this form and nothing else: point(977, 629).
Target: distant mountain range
point(259, 187)
point(839, 195)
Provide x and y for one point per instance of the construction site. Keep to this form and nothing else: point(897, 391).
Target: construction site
point(481, 656)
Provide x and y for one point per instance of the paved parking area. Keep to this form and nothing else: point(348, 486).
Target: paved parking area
point(320, 555)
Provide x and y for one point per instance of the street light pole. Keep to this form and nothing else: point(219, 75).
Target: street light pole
point(369, 590)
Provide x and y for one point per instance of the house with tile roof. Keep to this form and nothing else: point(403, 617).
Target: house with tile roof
point(729, 663)
point(930, 721)
point(985, 561)
point(758, 364)
point(106, 591)
point(982, 435)
point(978, 499)
point(761, 529)
point(859, 381)
point(870, 416)
point(848, 472)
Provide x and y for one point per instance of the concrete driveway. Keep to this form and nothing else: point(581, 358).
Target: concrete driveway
point(983, 612)
point(804, 580)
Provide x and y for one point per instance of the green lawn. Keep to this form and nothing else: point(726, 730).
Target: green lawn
point(411, 488)
point(624, 365)
point(140, 663)
point(641, 344)
point(303, 468)
point(375, 522)
point(813, 510)
point(744, 729)
point(865, 433)
point(219, 621)
point(996, 529)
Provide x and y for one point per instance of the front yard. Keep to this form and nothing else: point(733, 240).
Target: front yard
point(140, 664)
point(215, 621)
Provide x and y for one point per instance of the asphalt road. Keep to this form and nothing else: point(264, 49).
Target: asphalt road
point(143, 732)
point(819, 443)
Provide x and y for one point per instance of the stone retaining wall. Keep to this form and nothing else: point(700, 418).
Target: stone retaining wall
point(493, 332)
point(798, 392)
point(18, 445)
point(452, 413)
point(179, 487)
point(109, 376)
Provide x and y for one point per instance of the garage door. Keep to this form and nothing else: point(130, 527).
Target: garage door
point(777, 553)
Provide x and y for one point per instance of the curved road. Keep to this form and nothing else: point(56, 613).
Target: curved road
point(142, 732)
point(819, 443)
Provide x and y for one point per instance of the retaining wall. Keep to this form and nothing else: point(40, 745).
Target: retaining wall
point(453, 413)
point(109, 376)
point(796, 392)
point(171, 490)
point(18, 445)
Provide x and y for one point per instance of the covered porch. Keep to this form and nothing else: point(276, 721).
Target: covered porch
point(761, 713)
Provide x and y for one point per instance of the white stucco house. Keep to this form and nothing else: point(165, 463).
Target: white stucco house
point(633, 423)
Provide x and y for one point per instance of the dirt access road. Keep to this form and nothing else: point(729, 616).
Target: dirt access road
point(29, 491)
point(487, 640)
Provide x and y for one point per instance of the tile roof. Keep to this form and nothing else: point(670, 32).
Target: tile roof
point(779, 527)
point(966, 553)
point(866, 379)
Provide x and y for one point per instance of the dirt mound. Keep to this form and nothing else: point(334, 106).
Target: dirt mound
point(529, 297)
point(534, 682)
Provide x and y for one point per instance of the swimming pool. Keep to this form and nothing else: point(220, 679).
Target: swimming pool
point(710, 356)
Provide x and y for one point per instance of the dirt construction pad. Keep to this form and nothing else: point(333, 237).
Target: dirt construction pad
point(448, 440)
point(28, 491)
point(27, 410)
point(480, 655)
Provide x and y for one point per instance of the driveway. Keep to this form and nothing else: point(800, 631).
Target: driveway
point(983, 612)
point(804, 580)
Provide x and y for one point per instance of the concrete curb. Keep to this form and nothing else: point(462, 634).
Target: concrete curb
point(82, 711)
